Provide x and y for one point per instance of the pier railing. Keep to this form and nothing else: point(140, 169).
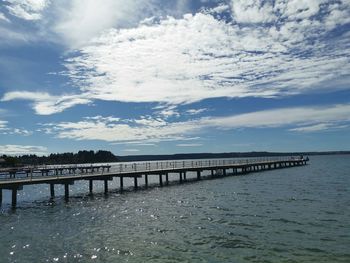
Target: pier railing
point(60, 171)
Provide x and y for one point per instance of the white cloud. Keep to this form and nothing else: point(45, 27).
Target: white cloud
point(196, 111)
point(81, 20)
point(155, 130)
point(139, 130)
point(199, 57)
point(300, 9)
point(3, 125)
point(168, 111)
point(27, 9)
point(6, 130)
point(131, 150)
point(44, 103)
point(282, 117)
point(22, 149)
point(252, 11)
point(3, 17)
point(189, 144)
point(319, 127)
point(284, 50)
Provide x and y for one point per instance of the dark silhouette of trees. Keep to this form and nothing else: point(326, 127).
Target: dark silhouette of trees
point(60, 158)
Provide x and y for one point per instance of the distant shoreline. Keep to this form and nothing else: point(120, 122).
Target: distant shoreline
point(181, 156)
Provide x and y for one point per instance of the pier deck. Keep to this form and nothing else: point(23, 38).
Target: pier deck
point(15, 178)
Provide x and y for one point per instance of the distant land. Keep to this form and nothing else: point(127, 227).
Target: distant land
point(106, 156)
point(181, 156)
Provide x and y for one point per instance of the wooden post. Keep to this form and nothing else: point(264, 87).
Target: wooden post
point(180, 174)
point(52, 190)
point(14, 198)
point(212, 173)
point(106, 186)
point(198, 175)
point(185, 176)
point(146, 180)
point(224, 172)
point(0, 196)
point(135, 183)
point(66, 191)
point(167, 178)
point(91, 186)
point(121, 183)
point(160, 179)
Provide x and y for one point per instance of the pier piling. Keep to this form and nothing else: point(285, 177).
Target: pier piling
point(91, 186)
point(66, 191)
point(198, 175)
point(121, 183)
point(135, 183)
point(146, 180)
point(52, 190)
point(14, 198)
point(106, 186)
point(160, 179)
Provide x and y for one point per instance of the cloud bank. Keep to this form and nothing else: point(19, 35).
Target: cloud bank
point(11, 149)
point(149, 129)
point(253, 49)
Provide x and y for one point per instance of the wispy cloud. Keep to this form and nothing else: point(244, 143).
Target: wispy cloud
point(189, 144)
point(130, 150)
point(3, 17)
point(3, 125)
point(196, 111)
point(26, 9)
point(22, 149)
point(6, 130)
point(150, 130)
point(320, 127)
point(46, 104)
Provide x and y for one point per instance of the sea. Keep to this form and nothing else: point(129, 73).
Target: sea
point(298, 214)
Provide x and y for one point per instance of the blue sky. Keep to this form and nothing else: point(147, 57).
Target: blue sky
point(158, 77)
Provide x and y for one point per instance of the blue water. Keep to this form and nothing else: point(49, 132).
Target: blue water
point(299, 214)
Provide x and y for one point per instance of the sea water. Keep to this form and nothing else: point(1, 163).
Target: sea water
point(299, 214)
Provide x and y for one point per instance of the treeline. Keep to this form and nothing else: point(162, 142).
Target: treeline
point(60, 158)
point(134, 158)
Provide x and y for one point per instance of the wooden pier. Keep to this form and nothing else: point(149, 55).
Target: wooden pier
point(15, 178)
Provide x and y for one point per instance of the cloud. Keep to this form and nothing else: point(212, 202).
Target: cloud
point(44, 103)
point(131, 150)
point(3, 17)
point(5, 130)
point(3, 125)
point(148, 130)
point(196, 111)
point(319, 127)
point(208, 58)
point(139, 130)
point(252, 11)
point(22, 149)
point(283, 117)
point(189, 145)
point(27, 9)
point(80, 20)
point(270, 49)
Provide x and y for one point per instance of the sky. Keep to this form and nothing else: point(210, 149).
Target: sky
point(174, 76)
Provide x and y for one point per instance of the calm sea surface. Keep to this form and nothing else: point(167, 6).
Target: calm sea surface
point(300, 214)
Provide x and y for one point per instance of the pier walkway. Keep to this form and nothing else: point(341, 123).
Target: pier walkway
point(14, 179)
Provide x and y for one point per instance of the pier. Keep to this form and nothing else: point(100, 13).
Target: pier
point(14, 179)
